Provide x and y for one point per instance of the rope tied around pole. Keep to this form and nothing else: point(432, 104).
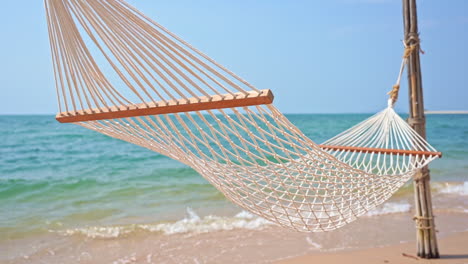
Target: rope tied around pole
point(409, 49)
point(422, 175)
point(423, 222)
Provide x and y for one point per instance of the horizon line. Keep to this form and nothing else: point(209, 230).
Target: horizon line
point(427, 112)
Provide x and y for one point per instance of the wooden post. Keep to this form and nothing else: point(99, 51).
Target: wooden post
point(426, 235)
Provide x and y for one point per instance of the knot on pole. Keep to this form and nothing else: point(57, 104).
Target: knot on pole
point(409, 50)
point(423, 222)
point(422, 175)
point(411, 36)
point(412, 42)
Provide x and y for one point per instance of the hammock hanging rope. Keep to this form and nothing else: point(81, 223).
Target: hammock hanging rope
point(122, 74)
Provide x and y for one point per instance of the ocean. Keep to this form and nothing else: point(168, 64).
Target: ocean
point(64, 181)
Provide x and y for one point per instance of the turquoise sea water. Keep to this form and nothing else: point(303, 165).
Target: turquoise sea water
point(55, 176)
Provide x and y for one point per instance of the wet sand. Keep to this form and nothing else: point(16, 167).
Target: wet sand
point(374, 239)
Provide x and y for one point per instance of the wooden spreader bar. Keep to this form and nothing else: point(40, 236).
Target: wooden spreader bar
point(169, 107)
point(380, 150)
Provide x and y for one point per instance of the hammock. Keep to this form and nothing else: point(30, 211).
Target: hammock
point(121, 74)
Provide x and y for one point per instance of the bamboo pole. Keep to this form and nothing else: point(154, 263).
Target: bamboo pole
point(426, 240)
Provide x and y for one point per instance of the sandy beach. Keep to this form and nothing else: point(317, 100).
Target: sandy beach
point(453, 248)
point(372, 239)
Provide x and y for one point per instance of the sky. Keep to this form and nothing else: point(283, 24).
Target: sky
point(336, 56)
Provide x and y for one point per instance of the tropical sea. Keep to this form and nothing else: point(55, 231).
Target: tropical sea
point(71, 195)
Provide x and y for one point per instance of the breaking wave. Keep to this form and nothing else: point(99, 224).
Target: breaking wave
point(390, 208)
point(454, 188)
point(191, 224)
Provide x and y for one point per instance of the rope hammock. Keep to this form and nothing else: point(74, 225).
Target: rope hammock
point(121, 74)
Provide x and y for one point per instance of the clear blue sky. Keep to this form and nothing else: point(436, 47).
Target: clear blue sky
point(317, 56)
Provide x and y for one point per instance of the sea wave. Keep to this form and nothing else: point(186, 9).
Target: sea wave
point(390, 208)
point(194, 224)
point(454, 188)
point(191, 224)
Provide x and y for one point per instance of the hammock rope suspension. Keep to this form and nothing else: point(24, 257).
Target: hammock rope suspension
point(409, 48)
point(121, 74)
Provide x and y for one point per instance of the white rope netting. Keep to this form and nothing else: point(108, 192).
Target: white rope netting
point(107, 54)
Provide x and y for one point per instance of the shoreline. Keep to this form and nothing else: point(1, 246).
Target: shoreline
point(366, 240)
point(453, 249)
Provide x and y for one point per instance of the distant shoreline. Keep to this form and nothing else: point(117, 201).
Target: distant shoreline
point(461, 112)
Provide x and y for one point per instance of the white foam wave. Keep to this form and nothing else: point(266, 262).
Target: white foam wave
point(457, 189)
point(192, 223)
point(390, 208)
point(100, 232)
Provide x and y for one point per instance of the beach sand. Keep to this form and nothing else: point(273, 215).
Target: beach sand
point(373, 239)
point(453, 248)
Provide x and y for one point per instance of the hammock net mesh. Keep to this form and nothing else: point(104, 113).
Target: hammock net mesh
point(109, 57)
